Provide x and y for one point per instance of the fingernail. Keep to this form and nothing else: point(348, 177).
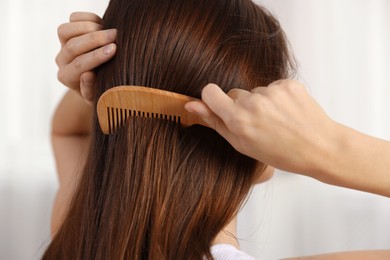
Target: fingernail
point(111, 34)
point(107, 50)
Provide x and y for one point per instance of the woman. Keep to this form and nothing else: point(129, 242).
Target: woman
point(155, 190)
point(85, 46)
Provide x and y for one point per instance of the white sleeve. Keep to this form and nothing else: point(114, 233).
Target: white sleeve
point(228, 252)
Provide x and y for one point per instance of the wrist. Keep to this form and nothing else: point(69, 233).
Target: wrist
point(340, 164)
point(325, 158)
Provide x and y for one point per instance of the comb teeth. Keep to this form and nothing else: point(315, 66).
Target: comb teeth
point(117, 117)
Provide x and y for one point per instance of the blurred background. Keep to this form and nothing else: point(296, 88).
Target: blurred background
point(342, 47)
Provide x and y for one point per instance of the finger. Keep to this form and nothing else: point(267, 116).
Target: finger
point(85, 16)
point(87, 86)
point(276, 83)
point(218, 101)
point(260, 90)
point(289, 85)
point(84, 44)
point(213, 121)
point(237, 93)
point(199, 108)
point(67, 31)
point(70, 74)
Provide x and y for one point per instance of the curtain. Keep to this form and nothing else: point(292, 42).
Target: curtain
point(343, 54)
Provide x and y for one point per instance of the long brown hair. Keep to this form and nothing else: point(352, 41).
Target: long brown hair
point(156, 190)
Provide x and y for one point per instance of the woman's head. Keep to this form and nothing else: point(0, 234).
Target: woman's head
point(182, 45)
point(156, 190)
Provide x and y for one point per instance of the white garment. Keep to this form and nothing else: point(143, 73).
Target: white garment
point(228, 252)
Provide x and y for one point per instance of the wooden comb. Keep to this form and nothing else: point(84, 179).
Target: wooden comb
point(117, 104)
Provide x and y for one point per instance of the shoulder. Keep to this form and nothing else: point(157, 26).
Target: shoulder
point(228, 252)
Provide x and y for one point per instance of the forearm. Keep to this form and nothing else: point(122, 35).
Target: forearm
point(356, 255)
point(71, 128)
point(72, 116)
point(357, 161)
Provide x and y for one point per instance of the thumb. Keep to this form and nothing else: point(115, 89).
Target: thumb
point(200, 109)
point(209, 116)
point(209, 108)
point(218, 101)
point(87, 86)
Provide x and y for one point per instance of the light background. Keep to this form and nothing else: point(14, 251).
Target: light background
point(342, 47)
